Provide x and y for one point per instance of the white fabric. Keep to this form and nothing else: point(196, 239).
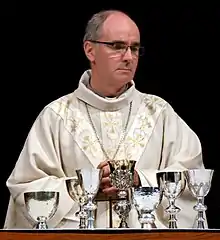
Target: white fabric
point(62, 140)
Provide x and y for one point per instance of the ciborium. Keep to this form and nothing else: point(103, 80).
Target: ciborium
point(41, 206)
point(89, 180)
point(146, 201)
point(199, 183)
point(77, 193)
point(171, 184)
point(122, 177)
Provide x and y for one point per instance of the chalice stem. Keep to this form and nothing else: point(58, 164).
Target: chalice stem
point(201, 208)
point(172, 221)
point(123, 223)
point(90, 219)
point(82, 223)
point(90, 207)
point(201, 220)
point(172, 210)
point(122, 208)
point(82, 218)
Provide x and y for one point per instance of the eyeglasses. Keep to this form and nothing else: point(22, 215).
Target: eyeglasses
point(122, 47)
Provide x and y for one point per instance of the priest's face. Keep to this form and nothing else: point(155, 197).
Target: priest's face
point(116, 52)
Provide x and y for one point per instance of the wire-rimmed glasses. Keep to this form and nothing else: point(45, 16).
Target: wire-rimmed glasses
point(121, 47)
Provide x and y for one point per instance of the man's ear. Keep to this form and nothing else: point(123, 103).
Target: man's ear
point(89, 50)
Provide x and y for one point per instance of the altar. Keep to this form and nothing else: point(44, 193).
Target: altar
point(111, 234)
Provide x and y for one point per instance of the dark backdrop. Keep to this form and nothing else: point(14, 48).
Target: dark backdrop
point(43, 59)
point(8, 8)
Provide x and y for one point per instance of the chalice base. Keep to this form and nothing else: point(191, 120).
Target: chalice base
point(41, 224)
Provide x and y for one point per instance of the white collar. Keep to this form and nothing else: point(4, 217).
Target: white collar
point(106, 104)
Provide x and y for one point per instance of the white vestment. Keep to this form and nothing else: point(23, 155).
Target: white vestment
point(62, 140)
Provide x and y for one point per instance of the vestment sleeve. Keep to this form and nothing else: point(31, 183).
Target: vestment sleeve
point(39, 168)
point(181, 150)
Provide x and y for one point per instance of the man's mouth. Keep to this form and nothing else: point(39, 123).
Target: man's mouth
point(125, 69)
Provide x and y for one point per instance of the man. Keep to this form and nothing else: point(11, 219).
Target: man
point(106, 117)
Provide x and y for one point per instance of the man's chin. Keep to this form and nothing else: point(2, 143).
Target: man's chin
point(124, 79)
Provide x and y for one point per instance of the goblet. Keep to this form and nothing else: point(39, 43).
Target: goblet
point(121, 176)
point(89, 180)
point(172, 184)
point(199, 183)
point(41, 206)
point(146, 200)
point(77, 194)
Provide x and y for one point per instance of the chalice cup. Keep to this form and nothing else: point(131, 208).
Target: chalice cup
point(122, 177)
point(78, 195)
point(146, 201)
point(89, 180)
point(199, 183)
point(41, 206)
point(172, 185)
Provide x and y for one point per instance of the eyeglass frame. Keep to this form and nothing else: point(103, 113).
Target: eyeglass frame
point(124, 50)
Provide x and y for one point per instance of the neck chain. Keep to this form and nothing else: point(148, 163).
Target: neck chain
point(123, 134)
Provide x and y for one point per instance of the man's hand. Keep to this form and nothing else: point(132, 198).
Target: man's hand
point(105, 185)
point(137, 181)
point(105, 182)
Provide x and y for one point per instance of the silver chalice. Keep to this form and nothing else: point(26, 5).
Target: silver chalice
point(89, 180)
point(41, 206)
point(199, 183)
point(122, 177)
point(78, 195)
point(172, 184)
point(146, 201)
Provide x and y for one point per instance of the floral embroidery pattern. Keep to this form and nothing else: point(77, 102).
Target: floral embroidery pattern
point(135, 140)
point(74, 124)
point(112, 124)
point(152, 103)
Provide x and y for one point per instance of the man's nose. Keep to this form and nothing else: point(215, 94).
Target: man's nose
point(127, 54)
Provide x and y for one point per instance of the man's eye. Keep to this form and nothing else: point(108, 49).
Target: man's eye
point(134, 48)
point(118, 46)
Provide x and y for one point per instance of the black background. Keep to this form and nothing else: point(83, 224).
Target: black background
point(43, 60)
point(8, 8)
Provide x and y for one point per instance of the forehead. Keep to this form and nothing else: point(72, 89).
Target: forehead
point(120, 27)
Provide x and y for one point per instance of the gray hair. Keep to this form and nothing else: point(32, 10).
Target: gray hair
point(93, 29)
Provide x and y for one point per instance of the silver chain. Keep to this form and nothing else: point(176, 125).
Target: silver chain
point(122, 135)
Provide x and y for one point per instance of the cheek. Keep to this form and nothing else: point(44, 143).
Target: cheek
point(135, 63)
point(114, 62)
point(110, 63)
